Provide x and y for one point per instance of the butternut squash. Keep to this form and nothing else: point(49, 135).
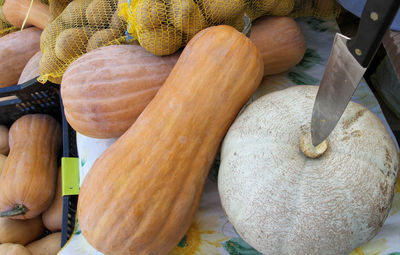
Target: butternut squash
point(48, 245)
point(2, 161)
point(28, 180)
point(152, 177)
point(103, 104)
point(4, 147)
point(20, 231)
point(15, 12)
point(31, 69)
point(13, 249)
point(280, 42)
point(52, 217)
point(17, 48)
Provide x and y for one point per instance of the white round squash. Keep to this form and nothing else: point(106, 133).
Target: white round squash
point(282, 202)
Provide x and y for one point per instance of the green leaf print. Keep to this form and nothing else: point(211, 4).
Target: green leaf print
point(83, 161)
point(310, 59)
point(316, 24)
point(236, 246)
point(298, 74)
point(394, 253)
point(302, 78)
point(183, 242)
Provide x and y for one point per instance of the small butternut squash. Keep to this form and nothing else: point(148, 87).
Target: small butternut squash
point(17, 48)
point(13, 249)
point(4, 147)
point(52, 217)
point(48, 245)
point(280, 41)
point(28, 180)
point(103, 104)
point(20, 231)
point(31, 69)
point(15, 12)
point(164, 157)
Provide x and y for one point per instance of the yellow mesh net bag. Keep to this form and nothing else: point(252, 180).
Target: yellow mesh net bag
point(160, 26)
point(163, 26)
point(82, 26)
point(5, 27)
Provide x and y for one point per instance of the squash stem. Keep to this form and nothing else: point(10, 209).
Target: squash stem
point(17, 210)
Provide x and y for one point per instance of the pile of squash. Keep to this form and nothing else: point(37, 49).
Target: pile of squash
point(170, 115)
point(30, 186)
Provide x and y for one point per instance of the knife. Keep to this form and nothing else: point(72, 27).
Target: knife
point(346, 66)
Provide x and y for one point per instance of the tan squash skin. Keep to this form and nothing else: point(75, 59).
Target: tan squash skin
point(101, 104)
point(13, 249)
point(280, 42)
point(52, 217)
point(2, 161)
point(17, 47)
point(20, 231)
point(164, 157)
point(48, 245)
point(31, 69)
point(4, 147)
point(15, 12)
point(29, 176)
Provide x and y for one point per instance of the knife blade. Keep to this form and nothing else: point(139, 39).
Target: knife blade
point(347, 64)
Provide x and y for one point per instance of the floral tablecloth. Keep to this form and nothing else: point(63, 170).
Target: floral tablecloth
point(211, 233)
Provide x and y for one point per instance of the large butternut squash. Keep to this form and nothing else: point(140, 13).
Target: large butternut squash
point(52, 217)
point(48, 245)
point(31, 69)
point(15, 51)
point(28, 180)
point(102, 103)
point(15, 12)
point(152, 177)
point(20, 231)
point(4, 147)
point(280, 41)
point(106, 89)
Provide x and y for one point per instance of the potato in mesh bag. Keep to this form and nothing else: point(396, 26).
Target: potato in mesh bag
point(74, 15)
point(150, 14)
point(186, 17)
point(102, 38)
point(99, 13)
point(83, 25)
point(71, 43)
point(161, 41)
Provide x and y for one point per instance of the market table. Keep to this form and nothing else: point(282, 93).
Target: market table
point(211, 232)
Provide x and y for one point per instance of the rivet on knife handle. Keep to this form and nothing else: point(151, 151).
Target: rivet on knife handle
point(376, 18)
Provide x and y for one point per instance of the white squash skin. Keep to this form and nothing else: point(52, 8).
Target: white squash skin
point(282, 202)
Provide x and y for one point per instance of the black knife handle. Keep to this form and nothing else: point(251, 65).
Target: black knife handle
point(376, 18)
